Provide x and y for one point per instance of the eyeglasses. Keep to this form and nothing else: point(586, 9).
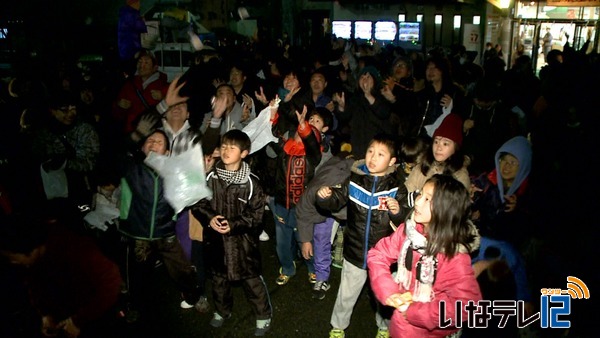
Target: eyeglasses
point(509, 163)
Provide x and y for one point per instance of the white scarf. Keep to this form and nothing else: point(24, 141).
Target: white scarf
point(426, 267)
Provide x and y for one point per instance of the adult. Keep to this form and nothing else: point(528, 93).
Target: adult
point(440, 97)
point(130, 27)
point(65, 143)
point(144, 90)
point(367, 113)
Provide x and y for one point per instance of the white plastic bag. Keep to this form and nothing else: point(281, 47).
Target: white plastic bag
point(260, 131)
point(55, 182)
point(183, 175)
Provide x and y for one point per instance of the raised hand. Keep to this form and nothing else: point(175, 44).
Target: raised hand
point(301, 117)
point(261, 96)
point(172, 98)
point(219, 105)
point(340, 99)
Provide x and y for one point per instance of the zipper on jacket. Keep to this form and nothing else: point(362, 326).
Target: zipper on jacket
point(154, 203)
point(368, 225)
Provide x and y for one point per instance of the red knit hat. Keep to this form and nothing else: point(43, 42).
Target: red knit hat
point(451, 128)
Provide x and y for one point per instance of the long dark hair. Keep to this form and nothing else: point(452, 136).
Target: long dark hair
point(448, 227)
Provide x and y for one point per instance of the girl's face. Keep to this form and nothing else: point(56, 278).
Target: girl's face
point(509, 167)
point(443, 148)
point(422, 211)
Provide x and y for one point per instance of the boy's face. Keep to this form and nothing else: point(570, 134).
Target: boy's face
point(509, 167)
point(232, 155)
point(316, 121)
point(378, 159)
point(156, 143)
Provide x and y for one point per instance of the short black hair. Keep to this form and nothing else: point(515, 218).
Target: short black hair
point(325, 115)
point(237, 137)
point(388, 140)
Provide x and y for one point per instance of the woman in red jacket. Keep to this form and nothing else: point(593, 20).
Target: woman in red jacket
point(432, 251)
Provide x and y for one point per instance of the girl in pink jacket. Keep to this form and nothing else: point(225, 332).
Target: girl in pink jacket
point(434, 267)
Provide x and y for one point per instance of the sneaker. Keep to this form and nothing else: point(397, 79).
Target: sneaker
point(312, 277)
point(262, 327)
point(264, 236)
point(337, 333)
point(202, 305)
point(383, 333)
point(337, 263)
point(218, 320)
point(319, 289)
point(282, 279)
point(185, 305)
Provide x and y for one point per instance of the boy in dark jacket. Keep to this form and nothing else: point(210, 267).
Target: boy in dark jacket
point(296, 163)
point(149, 221)
point(234, 216)
point(372, 194)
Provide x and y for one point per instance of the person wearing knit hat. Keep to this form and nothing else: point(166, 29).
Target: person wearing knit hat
point(445, 157)
point(450, 128)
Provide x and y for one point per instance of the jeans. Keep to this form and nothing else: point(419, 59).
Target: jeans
point(285, 233)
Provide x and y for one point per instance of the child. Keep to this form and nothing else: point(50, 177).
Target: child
point(445, 156)
point(501, 197)
point(314, 226)
point(233, 216)
point(411, 151)
point(296, 164)
point(149, 221)
point(432, 251)
point(372, 191)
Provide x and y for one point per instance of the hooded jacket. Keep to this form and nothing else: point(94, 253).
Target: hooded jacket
point(490, 203)
point(368, 220)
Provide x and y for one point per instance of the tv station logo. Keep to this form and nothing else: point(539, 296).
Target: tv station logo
point(555, 305)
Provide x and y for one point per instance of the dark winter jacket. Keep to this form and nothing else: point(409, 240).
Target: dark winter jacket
point(145, 213)
point(368, 218)
point(333, 172)
point(296, 166)
point(235, 255)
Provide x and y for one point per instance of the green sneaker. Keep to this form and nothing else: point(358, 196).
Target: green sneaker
point(383, 333)
point(337, 333)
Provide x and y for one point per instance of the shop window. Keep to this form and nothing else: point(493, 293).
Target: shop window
point(401, 17)
point(419, 17)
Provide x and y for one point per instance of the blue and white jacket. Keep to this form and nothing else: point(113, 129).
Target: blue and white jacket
point(368, 218)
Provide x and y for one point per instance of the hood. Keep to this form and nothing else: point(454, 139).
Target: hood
point(520, 148)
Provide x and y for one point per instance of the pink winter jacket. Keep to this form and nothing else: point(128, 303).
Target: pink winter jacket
point(455, 281)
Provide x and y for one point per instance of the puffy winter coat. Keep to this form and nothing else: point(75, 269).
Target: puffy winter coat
point(368, 219)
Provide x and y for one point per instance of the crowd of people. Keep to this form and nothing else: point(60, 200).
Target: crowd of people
point(435, 167)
